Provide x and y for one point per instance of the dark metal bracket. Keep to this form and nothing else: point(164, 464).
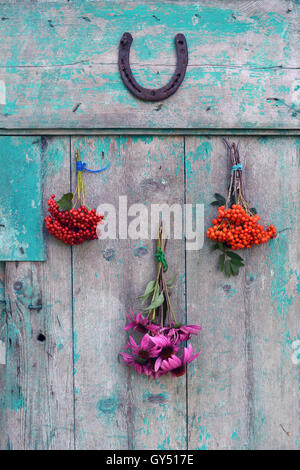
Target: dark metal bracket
point(158, 94)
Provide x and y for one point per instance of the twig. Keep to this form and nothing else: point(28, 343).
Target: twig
point(235, 191)
point(286, 432)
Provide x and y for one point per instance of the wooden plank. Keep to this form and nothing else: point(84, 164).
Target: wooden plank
point(2, 351)
point(163, 132)
point(59, 66)
point(2, 271)
point(272, 303)
point(217, 417)
point(116, 409)
point(38, 393)
point(244, 394)
point(21, 200)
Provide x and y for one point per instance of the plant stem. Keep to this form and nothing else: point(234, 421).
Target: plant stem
point(235, 190)
point(162, 283)
point(79, 193)
point(160, 244)
point(165, 288)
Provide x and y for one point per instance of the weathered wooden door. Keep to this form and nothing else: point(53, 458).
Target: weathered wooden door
point(61, 384)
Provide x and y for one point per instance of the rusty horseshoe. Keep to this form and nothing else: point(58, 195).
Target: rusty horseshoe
point(158, 94)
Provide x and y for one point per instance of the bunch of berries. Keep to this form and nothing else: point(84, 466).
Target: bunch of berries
point(239, 229)
point(73, 226)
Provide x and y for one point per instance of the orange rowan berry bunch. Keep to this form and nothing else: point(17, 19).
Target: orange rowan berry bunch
point(239, 229)
point(236, 226)
point(73, 226)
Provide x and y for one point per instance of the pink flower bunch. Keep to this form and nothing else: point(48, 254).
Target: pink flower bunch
point(158, 352)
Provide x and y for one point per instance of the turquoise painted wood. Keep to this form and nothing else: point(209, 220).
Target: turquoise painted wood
point(36, 382)
point(3, 342)
point(126, 411)
point(243, 391)
point(67, 388)
point(21, 232)
point(59, 64)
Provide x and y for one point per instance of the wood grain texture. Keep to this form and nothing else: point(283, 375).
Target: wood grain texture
point(38, 392)
point(59, 65)
point(244, 392)
point(21, 199)
point(217, 381)
point(62, 385)
point(116, 409)
point(2, 357)
point(271, 295)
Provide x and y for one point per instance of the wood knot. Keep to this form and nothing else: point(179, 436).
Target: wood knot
point(108, 254)
point(159, 398)
point(141, 251)
point(227, 288)
point(18, 286)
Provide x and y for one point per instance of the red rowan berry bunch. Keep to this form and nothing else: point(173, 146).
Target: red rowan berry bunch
point(69, 224)
point(73, 226)
point(236, 226)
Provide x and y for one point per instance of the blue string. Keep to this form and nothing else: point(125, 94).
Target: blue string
point(81, 166)
point(239, 166)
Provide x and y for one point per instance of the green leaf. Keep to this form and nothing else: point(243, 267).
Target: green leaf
point(220, 198)
point(65, 203)
point(234, 269)
point(221, 246)
point(227, 268)
point(172, 280)
point(148, 291)
point(216, 203)
point(253, 210)
point(159, 300)
point(234, 255)
point(237, 262)
point(221, 261)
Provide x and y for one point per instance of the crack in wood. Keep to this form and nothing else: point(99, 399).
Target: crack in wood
point(150, 64)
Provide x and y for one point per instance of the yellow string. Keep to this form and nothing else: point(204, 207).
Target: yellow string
point(79, 194)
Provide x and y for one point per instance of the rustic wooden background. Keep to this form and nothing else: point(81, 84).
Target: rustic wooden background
point(61, 326)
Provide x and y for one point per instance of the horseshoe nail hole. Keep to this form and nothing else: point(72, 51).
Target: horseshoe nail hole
point(41, 337)
point(152, 92)
point(180, 41)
